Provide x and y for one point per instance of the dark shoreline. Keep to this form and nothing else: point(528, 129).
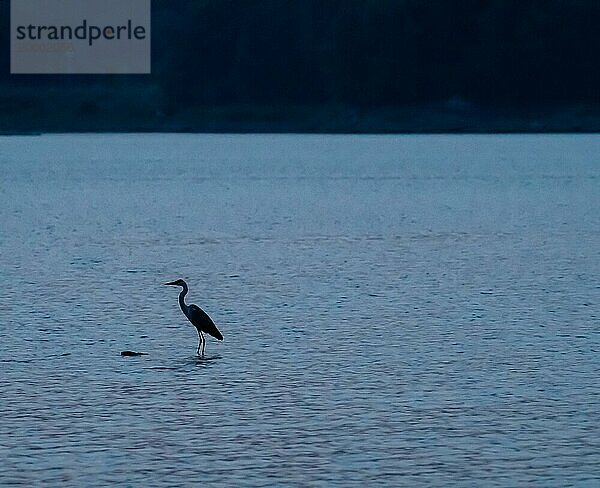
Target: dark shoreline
point(334, 120)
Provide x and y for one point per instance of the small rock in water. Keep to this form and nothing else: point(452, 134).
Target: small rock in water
point(133, 353)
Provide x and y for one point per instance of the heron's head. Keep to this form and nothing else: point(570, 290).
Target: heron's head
point(176, 283)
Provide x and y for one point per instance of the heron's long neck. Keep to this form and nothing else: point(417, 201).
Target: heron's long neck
point(182, 295)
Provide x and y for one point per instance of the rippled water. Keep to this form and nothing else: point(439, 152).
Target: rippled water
point(397, 311)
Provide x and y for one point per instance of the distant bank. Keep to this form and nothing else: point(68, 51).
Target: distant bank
point(450, 117)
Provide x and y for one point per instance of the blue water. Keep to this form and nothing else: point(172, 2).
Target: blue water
point(397, 310)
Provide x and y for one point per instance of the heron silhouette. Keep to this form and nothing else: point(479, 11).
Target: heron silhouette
point(198, 317)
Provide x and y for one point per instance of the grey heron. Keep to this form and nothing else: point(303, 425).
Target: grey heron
point(198, 317)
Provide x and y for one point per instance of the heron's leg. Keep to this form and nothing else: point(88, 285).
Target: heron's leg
point(199, 342)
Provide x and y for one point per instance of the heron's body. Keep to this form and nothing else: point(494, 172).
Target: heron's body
point(198, 317)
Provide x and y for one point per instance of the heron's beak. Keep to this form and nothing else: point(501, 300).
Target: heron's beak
point(171, 283)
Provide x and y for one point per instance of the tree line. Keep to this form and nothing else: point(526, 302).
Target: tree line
point(367, 54)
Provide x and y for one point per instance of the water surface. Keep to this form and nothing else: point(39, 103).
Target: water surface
point(397, 310)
